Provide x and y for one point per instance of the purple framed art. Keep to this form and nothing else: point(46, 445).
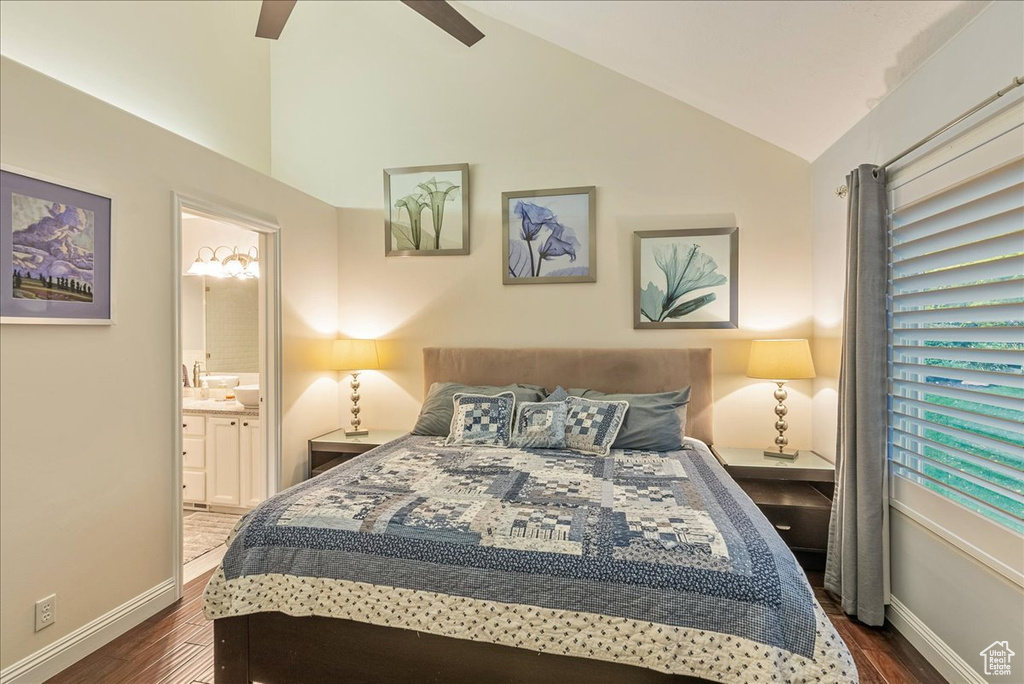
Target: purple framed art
point(54, 252)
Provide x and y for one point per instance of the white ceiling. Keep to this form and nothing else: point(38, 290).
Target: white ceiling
point(797, 74)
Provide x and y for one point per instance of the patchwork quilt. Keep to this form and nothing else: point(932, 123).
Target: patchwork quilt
point(645, 558)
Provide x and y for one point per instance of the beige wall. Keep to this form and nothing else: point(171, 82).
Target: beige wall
point(86, 422)
point(975, 603)
point(526, 114)
point(190, 66)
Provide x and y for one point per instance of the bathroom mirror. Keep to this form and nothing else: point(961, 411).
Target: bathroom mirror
point(232, 325)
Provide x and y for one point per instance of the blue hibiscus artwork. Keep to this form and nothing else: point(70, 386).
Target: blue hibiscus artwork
point(683, 268)
point(548, 237)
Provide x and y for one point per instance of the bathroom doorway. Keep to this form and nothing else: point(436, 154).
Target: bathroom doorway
point(227, 375)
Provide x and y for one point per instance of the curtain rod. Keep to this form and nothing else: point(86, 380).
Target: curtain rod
point(842, 190)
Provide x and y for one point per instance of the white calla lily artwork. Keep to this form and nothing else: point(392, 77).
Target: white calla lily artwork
point(426, 210)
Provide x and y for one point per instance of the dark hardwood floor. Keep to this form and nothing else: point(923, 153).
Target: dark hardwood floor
point(883, 655)
point(175, 646)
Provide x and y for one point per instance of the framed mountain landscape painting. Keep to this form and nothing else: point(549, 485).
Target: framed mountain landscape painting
point(686, 278)
point(549, 236)
point(426, 210)
point(55, 252)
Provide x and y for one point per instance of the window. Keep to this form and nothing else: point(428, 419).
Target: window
point(956, 321)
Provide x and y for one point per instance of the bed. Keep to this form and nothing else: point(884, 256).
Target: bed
point(420, 562)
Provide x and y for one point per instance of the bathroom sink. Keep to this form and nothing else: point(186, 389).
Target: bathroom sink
point(216, 381)
point(248, 395)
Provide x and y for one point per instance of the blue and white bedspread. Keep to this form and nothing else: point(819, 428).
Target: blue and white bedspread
point(651, 559)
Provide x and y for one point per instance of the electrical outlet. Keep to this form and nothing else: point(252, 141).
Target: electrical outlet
point(46, 611)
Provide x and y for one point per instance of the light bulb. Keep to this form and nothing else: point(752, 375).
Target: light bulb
point(232, 266)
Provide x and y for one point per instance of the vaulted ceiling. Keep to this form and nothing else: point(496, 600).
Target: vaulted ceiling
point(797, 74)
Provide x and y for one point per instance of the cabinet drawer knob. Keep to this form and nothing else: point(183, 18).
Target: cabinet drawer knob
point(783, 527)
point(232, 422)
point(245, 425)
point(184, 453)
point(184, 425)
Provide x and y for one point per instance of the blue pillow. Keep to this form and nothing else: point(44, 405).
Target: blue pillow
point(591, 426)
point(540, 425)
point(655, 422)
point(559, 394)
point(482, 420)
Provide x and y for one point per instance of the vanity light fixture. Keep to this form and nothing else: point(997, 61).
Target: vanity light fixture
point(237, 264)
point(201, 266)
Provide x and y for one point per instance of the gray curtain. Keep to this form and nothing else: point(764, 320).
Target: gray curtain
point(856, 568)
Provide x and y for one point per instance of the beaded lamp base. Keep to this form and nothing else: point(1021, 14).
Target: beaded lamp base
point(781, 442)
point(356, 431)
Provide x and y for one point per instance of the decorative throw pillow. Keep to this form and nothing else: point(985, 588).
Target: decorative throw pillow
point(656, 422)
point(591, 426)
point(435, 417)
point(540, 425)
point(559, 394)
point(482, 420)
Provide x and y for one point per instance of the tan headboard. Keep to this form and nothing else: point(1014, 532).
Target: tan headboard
point(605, 370)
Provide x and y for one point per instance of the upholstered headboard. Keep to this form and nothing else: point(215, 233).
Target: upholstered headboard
point(606, 370)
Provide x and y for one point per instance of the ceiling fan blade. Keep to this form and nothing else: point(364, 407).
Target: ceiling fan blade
point(448, 19)
point(273, 15)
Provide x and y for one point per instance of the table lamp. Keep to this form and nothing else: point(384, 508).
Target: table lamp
point(355, 356)
point(779, 361)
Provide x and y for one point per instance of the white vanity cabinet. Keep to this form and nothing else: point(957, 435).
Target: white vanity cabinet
point(223, 460)
point(224, 467)
point(253, 462)
point(193, 458)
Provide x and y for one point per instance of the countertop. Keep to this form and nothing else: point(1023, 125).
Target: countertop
point(216, 407)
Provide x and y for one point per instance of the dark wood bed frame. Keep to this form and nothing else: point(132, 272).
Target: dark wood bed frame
point(274, 648)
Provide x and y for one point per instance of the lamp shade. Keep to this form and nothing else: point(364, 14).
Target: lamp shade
point(780, 360)
point(198, 268)
point(354, 355)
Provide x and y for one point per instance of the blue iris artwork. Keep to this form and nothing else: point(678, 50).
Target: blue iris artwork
point(548, 237)
point(682, 269)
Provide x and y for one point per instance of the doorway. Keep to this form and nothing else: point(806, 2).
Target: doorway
point(226, 374)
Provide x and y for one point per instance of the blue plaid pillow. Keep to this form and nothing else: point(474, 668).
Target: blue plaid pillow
point(540, 425)
point(482, 420)
point(591, 426)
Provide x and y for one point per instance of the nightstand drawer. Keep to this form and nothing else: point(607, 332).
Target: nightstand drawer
point(334, 460)
point(334, 448)
point(799, 527)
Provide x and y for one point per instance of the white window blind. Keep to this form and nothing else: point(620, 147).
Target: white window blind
point(956, 320)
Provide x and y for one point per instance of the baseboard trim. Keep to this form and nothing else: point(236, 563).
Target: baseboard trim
point(944, 659)
point(72, 647)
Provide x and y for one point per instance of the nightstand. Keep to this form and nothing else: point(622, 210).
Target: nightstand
point(334, 448)
point(794, 494)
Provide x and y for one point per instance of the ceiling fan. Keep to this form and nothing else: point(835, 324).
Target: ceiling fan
point(274, 14)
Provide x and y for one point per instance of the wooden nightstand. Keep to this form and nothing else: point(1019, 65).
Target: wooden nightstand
point(334, 448)
point(794, 494)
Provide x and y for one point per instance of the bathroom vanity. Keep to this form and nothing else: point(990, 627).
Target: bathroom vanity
point(222, 454)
